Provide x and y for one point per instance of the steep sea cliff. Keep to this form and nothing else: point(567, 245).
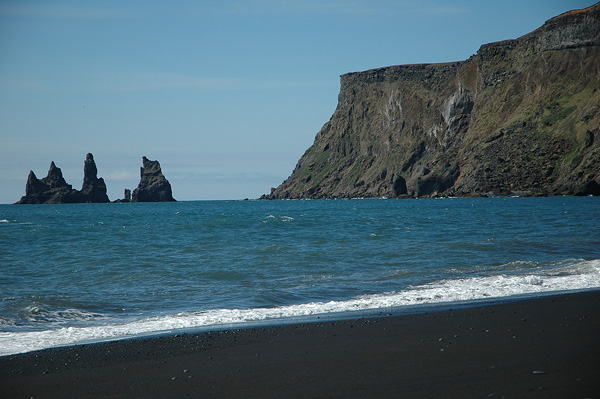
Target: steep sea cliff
point(520, 117)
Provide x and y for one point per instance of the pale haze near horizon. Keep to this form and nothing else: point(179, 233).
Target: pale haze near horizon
point(227, 95)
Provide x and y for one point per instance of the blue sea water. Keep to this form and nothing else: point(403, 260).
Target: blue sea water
point(85, 272)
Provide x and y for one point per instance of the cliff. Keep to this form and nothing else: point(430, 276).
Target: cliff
point(53, 189)
point(520, 117)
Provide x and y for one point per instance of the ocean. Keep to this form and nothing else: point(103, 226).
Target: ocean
point(80, 273)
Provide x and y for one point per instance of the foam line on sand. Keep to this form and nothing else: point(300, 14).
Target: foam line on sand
point(543, 348)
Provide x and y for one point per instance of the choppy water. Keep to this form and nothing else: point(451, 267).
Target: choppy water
point(80, 272)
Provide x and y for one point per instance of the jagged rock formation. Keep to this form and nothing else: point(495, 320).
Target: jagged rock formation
point(153, 186)
point(93, 188)
point(53, 189)
point(520, 117)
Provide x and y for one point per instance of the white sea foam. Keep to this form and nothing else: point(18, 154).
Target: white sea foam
point(272, 218)
point(575, 275)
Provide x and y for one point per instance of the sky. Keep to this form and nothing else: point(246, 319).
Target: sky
point(225, 94)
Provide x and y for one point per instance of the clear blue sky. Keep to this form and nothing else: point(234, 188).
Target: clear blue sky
point(227, 95)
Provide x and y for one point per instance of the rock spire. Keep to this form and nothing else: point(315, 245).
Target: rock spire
point(153, 186)
point(93, 188)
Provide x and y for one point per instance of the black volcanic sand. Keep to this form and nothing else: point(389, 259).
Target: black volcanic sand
point(541, 348)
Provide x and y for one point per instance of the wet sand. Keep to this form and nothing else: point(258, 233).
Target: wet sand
point(540, 348)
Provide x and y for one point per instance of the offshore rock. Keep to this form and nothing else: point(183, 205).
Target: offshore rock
point(93, 188)
point(520, 117)
point(126, 196)
point(153, 186)
point(53, 189)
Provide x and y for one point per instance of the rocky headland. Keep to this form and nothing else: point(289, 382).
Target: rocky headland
point(53, 189)
point(520, 117)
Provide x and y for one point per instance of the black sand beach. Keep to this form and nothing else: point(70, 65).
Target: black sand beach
point(540, 348)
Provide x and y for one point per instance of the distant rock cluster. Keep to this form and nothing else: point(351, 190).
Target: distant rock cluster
point(53, 189)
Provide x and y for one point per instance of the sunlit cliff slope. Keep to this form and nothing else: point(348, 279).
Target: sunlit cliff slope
point(520, 117)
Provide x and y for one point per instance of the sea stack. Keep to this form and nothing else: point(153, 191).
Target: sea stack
point(153, 186)
point(93, 188)
point(53, 189)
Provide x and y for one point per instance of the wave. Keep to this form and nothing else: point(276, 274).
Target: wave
point(565, 276)
point(276, 219)
point(40, 314)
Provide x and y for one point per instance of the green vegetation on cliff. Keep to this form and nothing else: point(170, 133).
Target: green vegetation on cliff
point(521, 117)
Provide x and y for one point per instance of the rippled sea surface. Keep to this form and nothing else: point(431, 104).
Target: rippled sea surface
point(79, 272)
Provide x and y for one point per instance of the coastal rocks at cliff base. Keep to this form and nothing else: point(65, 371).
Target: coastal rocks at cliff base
point(520, 117)
point(53, 189)
point(153, 186)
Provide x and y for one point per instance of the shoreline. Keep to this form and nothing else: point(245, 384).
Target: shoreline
point(342, 315)
point(536, 347)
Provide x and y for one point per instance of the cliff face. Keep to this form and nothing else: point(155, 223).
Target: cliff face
point(520, 117)
point(53, 189)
